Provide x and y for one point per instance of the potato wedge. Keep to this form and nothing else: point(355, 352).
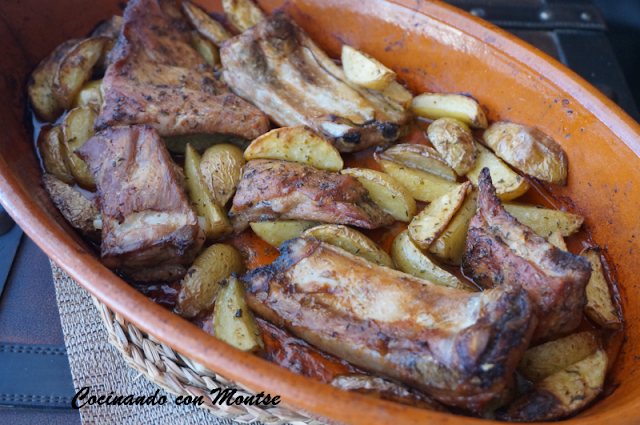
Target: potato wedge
point(208, 27)
point(449, 247)
point(364, 70)
point(75, 69)
point(600, 307)
point(215, 223)
point(40, 85)
point(529, 150)
point(561, 394)
point(421, 157)
point(454, 142)
point(544, 360)
point(398, 96)
point(243, 14)
point(296, 144)
point(387, 192)
point(89, 94)
point(544, 221)
point(205, 48)
point(434, 219)
point(351, 241)
point(110, 28)
point(233, 322)
point(435, 105)
point(54, 154)
point(509, 184)
point(411, 260)
point(276, 233)
point(77, 128)
point(423, 186)
point(221, 167)
point(201, 284)
point(557, 240)
point(75, 208)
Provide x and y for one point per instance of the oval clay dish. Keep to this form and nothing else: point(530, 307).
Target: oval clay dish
point(433, 47)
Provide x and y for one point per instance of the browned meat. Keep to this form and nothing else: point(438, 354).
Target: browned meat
point(458, 346)
point(278, 68)
point(502, 252)
point(149, 230)
point(272, 189)
point(157, 78)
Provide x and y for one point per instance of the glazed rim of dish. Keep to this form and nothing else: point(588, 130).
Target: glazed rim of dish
point(308, 396)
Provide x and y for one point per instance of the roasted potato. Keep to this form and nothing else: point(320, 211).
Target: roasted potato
point(453, 140)
point(89, 94)
point(421, 157)
point(387, 192)
point(75, 208)
point(561, 394)
point(529, 150)
point(77, 128)
point(423, 186)
point(600, 307)
point(201, 284)
point(243, 14)
point(544, 221)
point(54, 154)
point(431, 222)
point(557, 240)
point(75, 69)
point(215, 223)
point(509, 184)
point(40, 85)
point(449, 247)
point(296, 144)
point(110, 28)
point(205, 48)
point(221, 167)
point(233, 322)
point(434, 106)
point(208, 27)
point(201, 142)
point(364, 70)
point(351, 241)
point(411, 260)
point(399, 97)
point(276, 233)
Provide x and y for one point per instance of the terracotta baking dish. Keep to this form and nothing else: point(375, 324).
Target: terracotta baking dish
point(433, 47)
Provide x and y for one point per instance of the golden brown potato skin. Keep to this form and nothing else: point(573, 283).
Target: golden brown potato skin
point(54, 154)
point(453, 140)
point(529, 150)
point(221, 167)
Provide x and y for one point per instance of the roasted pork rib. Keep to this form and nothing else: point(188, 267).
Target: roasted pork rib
point(502, 252)
point(157, 78)
point(150, 231)
point(272, 189)
point(278, 68)
point(459, 347)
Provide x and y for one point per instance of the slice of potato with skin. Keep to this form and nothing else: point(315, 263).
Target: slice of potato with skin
point(233, 322)
point(75, 69)
point(364, 70)
point(387, 192)
point(89, 94)
point(201, 284)
point(435, 105)
point(453, 140)
point(398, 96)
point(544, 360)
point(449, 247)
point(216, 223)
point(509, 184)
point(411, 260)
point(296, 144)
point(544, 221)
point(557, 240)
point(275, 233)
point(423, 186)
point(561, 394)
point(110, 28)
point(600, 307)
point(205, 48)
point(77, 128)
point(431, 222)
point(421, 157)
point(243, 14)
point(529, 150)
point(75, 208)
point(54, 154)
point(221, 167)
point(351, 241)
point(208, 27)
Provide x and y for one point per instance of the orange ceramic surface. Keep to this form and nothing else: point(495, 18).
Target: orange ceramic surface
point(432, 47)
